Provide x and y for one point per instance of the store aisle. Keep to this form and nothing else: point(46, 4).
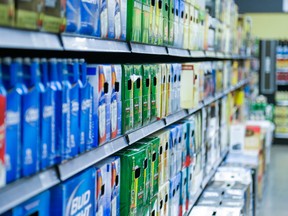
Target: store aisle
point(275, 200)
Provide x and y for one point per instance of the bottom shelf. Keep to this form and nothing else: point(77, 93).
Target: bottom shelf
point(206, 180)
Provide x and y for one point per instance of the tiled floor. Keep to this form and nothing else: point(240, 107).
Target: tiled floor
point(275, 201)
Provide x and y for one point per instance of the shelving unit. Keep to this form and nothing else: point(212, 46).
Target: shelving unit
point(26, 188)
point(31, 40)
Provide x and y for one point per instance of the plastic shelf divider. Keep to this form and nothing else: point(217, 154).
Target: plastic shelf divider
point(178, 52)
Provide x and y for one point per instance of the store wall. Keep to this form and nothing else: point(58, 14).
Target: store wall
point(269, 25)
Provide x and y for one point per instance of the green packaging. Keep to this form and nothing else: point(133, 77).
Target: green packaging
point(54, 16)
point(163, 90)
point(153, 206)
point(132, 177)
point(146, 168)
point(153, 71)
point(169, 89)
point(127, 98)
point(171, 23)
point(146, 98)
point(154, 163)
point(165, 21)
point(27, 13)
point(7, 12)
point(137, 95)
point(152, 22)
point(134, 20)
point(145, 21)
point(159, 22)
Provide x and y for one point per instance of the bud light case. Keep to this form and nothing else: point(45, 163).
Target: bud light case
point(47, 119)
point(76, 85)
point(12, 81)
point(75, 196)
point(38, 205)
point(87, 11)
point(116, 103)
point(86, 99)
point(103, 188)
point(63, 112)
point(72, 15)
point(30, 118)
point(93, 80)
point(2, 131)
point(104, 98)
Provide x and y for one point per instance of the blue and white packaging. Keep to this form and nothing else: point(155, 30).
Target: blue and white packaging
point(117, 20)
point(86, 111)
point(185, 140)
point(190, 192)
point(181, 22)
point(180, 147)
point(72, 15)
point(172, 150)
point(15, 91)
point(38, 205)
point(178, 85)
point(93, 80)
point(97, 23)
point(123, 12)
point(63, 149)
point(176, 23)
point(76, 85)
point(107, 13)
point(56, 96)
point(87, 16)
point(103, 188)
point(30, 118)
point(115, 184)
point(75, 196)
point(47, 119)
point(116, 103)
point(183, 191)
point(174, 195)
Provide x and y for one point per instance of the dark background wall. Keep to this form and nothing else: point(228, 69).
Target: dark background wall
point(260, 6)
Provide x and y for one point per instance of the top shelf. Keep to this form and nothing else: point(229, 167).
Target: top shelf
point(33, 40)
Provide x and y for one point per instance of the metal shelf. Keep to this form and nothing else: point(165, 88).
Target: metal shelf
point(282, 82)
point(282, 103)
point(178, 52)
point(25, 39)
point(206, 180)
point(148, 49)
point(197, 54)
point(210, 54)
point(24, 189)
point(42, 181)
point(281, 135)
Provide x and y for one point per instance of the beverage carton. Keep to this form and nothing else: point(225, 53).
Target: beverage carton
point(53, 17)
point(3, 102)
point(152, 22)
point(171, 15)
point(146, 98)
point(72, 15)
point(75, 195)
point(165, 21)
point(123, 11)
point(132, 173)
point(134, 20)
point(59, 75)
point(38, 205)
point(93, 80)
point(153, 208)
point(159, 22)
point(172, 150)
point(104, 98)
point(7, 12)
point(27, 14)
point(103, 188)
point(137, 95)
point(169, 90)
point(186, 25)
point(127, 98)
point(76, 85)
point(86, 109)
point(174, 194)
point(30, 118)
point(87, 16)
point(145, 21)
point(116, 101)
point(183, 192)
point(107, 18)
point(164, 83)
point(177, 15)
point(181, 22)
point(154, 91)
point(163, 200)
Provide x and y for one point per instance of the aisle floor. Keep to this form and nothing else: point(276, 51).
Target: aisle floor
point(275, 201)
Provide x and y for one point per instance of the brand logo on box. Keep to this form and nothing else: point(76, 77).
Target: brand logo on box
point(31, 115)
point(48, 111)
point(13, 118)
point(75, 106)
point(78, 204)
point(90, 1)
point(86, 104)
point(65, 108)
